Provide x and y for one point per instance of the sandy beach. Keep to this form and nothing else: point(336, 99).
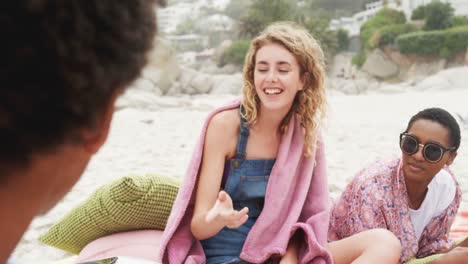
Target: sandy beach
point(359, 130)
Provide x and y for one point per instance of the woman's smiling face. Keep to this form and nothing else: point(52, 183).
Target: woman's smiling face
point(277, 77)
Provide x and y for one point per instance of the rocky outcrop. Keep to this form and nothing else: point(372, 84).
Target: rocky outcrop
point(162, 69)
point(379, 66)
point(419, 70)
point(450, 79)
point(195, 82)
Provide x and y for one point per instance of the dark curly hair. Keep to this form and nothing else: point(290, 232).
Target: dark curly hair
point(442, 117)
point(61, 62)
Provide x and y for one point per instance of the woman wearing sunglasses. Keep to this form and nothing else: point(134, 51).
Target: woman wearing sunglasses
point(416, 196)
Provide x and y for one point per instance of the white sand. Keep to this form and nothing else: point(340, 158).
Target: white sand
point(360, 130)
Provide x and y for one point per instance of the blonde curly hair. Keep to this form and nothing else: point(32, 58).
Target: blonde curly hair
point(309, 103)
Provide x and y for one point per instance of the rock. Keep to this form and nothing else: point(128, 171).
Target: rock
point(230, 69)
point(379, 66)
point(146, 85)
point(458, 77)
point(200, 84)
point(210, 67)
point(175, 89)
point(423, 69)
point(433, 83)
point(139, 99)
point(186, 77)
point(350, 86)
point(162, 68)
point(341, 66)
point(227, 84)
point(450, 79)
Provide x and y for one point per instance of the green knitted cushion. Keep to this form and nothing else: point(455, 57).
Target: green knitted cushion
point(430, 258)
point(129, 203)
point(425, 260)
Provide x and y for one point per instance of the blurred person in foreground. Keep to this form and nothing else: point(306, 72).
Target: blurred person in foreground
point(63, 65)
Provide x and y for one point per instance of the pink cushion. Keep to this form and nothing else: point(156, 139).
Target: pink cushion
point(139, 244)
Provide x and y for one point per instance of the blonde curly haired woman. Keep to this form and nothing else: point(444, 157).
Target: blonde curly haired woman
point(256, 190)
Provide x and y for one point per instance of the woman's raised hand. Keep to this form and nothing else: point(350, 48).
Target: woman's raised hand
point(223, 211)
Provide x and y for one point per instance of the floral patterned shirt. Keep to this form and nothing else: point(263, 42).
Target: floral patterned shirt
point(377, 198)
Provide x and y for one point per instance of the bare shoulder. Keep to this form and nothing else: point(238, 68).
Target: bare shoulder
point(222, 131)
point(227, 122)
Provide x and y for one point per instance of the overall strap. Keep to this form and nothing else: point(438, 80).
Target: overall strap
point(243, 137)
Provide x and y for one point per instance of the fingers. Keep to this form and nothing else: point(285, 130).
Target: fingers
point(224, 213)
point(222, 204)
point(224, 198)
point(239, 222)
point(237, 218)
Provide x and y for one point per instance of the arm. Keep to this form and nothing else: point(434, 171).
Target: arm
point(213, 209)
point(357, 209)
point(292, 252)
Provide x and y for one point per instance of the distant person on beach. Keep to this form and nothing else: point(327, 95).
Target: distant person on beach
point(416, 197)
point(256, 189)
point(64, 63)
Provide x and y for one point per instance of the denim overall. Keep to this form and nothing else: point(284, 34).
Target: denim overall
point(245, 181)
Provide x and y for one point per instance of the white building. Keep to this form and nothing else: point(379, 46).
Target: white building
point(188, 42)
point(353, 24)
point(216, 22)
point(170, 17)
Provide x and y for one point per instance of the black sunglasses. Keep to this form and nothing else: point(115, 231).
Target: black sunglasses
point(432, 152)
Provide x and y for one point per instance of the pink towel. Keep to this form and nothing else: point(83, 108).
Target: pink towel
point(296, 198)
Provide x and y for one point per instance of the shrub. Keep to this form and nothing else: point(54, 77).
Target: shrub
point(383, 18)
point(456, 39)
point(235, 54)
point(421, 43)
point(419, 13)
point(343, 39)
point(359, 59)
point(457, 21)
point(387, 34)
point(443, 43)
point(438, 15)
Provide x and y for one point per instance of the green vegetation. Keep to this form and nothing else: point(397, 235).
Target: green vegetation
point(343, 39)
point(383, 18)
point(235, 8)
point(438, 15)
point(261, 13)
point(458, 21)
point(235, 54)
point(359, 59)
point(444, 43)
point(387, 34)
point(334, 8)
point(319, 29)
point(381, 30)
point(186, 27)
point(444, 34)
point(419, 13)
